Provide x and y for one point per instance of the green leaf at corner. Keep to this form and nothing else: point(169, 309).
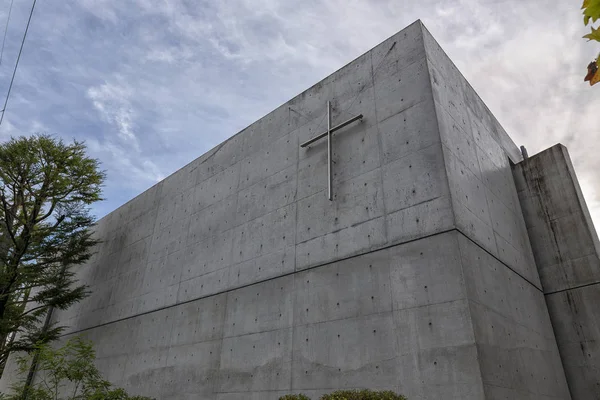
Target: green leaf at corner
point(591, 10)
point(594, 35)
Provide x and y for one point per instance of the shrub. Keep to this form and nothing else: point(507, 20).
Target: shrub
point(350, 395)
point(362, 395)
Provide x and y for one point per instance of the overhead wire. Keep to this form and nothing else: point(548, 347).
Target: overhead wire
point(17, 63)
point(6, 30)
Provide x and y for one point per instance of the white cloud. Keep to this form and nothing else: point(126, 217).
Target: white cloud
point(113, 103)
point(134, 172)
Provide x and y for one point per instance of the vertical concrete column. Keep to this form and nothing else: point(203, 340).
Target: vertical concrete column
point(566, 251)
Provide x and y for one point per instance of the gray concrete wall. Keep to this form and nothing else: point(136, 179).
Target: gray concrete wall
point(396, 318)
point(236, 277)
point(477, 154)
point(566, 250)
point(516, 347)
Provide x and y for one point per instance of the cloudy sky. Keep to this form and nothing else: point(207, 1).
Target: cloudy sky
point(151, 85)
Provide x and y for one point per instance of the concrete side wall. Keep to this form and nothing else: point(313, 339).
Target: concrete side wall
point(516, 345)
point(566, 250)
point(563, 237)
point(517, 351)
point(464, 105)
point(477, 154)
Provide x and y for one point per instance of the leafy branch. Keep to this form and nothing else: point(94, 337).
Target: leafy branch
point(591, 13)
point(65, 373)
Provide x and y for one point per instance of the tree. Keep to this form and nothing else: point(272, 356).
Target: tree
point(46, 187)
point(66, 373)
point(591, 13)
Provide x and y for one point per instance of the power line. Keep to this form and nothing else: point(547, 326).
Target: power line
point(17, 63)
point(6, 30)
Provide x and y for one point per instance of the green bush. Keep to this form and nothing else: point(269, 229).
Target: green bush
point(350, 395)
point(294, 397)
point(362, 395)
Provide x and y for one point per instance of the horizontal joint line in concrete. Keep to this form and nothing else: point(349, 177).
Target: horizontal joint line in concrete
point(404, 109)
point(417, 204)
point(315, 323)
point(346, 227)
point(262, 281)
point(572, 288)
point(297, 271)
point(500, 261)
point(487, 307)
point(504, 387)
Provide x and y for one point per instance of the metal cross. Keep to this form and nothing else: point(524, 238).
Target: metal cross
point(328, 133)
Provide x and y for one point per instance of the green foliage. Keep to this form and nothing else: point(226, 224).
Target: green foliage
point(351, 395)
point(46, 187)
point(591, 11)
point(294, 397)
point(66, 373)
point(595, 35)
point(362, 395)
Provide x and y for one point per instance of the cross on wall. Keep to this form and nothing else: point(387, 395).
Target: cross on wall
point(328, 133)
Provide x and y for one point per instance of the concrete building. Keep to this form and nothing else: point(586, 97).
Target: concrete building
point(445, 266)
